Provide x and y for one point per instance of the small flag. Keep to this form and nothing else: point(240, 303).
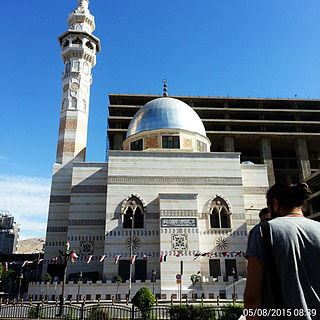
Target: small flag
point(39, 260)
point(204, 254)
point(145, 257)
point(211, 255)
point(225, 254)
point(89, 258)
point(5, 266)
point(102, 258)
point(179, 255)
point(24, 263)
point(197, 255)
point(133, 258)
point(54, 259)
point(116, 260)
point(163, 258)
point(74, 255)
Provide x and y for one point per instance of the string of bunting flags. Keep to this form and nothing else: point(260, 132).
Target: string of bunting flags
point(163, 258)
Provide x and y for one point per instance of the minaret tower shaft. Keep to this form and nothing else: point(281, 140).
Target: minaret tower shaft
point(78, 50)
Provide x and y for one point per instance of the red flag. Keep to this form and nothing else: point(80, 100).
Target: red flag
point(89, 258)
point(145, 257)
point(133, 259)
point(54, 259)
point(116, 260)
point(74, 255)
point(102, 258)
point(40, 261)
point(5, 266)
point(163, 258)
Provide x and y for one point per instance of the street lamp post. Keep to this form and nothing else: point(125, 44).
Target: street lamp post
point(133, 205)
point(154, 273)
point(37, 271)
point(65, 256)
point(80, 278)
point(234, 284)
point(20, 280)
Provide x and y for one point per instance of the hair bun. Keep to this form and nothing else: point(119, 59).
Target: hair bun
point(302, 191)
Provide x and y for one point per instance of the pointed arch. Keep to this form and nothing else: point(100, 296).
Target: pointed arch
point(68, 66)
point(133, 209)
point(219, 212)
point(76, 65)
point(76, 40)
point(89, 45)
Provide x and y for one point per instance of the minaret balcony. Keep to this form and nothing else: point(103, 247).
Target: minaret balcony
point(77, 47)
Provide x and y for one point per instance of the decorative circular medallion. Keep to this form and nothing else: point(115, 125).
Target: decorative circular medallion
point(222, 244)
point(73, 93)
point(65, 87)
point(136, 243)
point(74, 86)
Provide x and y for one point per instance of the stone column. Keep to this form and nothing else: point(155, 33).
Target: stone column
point(266, 157)
point(117, 142)
point(302, 158)
point(229, 144)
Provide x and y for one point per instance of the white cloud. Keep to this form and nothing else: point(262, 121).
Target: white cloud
point(27, 199)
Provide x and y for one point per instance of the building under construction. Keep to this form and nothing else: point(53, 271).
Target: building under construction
point(282, 133)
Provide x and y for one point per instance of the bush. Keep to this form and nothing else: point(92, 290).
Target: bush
point(232, 312)
point(33, 313)
point(144, 301)
point(98, 313)
point(184, 312)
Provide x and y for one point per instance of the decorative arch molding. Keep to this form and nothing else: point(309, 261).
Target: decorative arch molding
point(136, 197)
point(210, 203)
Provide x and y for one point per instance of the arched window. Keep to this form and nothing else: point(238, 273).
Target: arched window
point(84, 105)
point(89, 45)
point(78, 27)
point(76, 65)
point(66, 43)
point(219, 214)
point(74, 103)
point(63, 103)
point(77, 41)
point(68, 66)
point(133, 212)
point(86, 67)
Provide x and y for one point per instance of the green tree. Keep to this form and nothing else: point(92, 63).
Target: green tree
point(47, 279)
point(118, 280)
point(144, 301)
point(195, 278)
point(8, 279)
point(1, 270)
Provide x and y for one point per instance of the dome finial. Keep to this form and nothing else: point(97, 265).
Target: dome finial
point(165, 93)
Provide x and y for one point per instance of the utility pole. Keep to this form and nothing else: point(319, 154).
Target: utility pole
point(181, 272)
point(133, 205)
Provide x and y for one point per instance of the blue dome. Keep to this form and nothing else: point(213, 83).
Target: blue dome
point(166, 113)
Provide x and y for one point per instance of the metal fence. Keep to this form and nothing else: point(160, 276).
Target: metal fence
point(105, 311)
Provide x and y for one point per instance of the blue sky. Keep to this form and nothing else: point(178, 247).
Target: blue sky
point(249, 48)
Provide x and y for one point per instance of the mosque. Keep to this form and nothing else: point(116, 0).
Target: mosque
point(159, 210)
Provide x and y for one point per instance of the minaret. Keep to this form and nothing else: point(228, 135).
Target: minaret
point(78, 50)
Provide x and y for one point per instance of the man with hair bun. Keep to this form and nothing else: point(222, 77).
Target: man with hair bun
point(264, 215)
point(283, 278)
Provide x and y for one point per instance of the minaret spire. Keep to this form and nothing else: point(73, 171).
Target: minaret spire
point(83, 3)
